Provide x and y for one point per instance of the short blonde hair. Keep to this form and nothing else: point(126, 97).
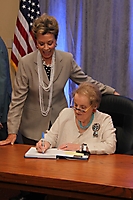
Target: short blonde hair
point(45, 24)
point(91, 91)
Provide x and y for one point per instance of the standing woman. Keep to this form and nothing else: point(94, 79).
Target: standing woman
point(38, 95)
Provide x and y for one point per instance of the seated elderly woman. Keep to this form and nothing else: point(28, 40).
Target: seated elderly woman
point(82, 123)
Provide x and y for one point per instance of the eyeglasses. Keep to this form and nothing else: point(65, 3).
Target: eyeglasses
point(80, 110)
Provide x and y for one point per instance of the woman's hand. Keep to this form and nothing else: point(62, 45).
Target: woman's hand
point(9, 140)
point(42, 148)
point(69, 147)
point(116, 93)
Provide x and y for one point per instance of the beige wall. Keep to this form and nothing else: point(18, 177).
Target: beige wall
point(8, 16)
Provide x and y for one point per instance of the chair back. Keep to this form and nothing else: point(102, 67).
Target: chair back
point(121, 110)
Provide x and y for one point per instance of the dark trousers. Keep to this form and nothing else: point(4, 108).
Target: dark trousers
point(3, 132)
point(28, 141)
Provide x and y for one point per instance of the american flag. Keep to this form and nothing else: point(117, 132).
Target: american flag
point(24, 42)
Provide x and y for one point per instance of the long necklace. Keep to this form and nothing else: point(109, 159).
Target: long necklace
point(42, 87)
point(87, 126)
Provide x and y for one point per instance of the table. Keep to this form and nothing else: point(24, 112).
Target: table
point(101, 177)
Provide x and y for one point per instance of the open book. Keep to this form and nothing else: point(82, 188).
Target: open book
point(56, 154)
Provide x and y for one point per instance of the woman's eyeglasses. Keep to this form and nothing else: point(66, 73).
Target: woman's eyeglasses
point(80, 110)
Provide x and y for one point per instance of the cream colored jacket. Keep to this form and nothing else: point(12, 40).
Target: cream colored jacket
point(65, 130)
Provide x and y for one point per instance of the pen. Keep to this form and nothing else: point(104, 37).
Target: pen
point(42, 141)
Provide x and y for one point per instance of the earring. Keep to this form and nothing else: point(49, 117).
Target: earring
point(94, 110)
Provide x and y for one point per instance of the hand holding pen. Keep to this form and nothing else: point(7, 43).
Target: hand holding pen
point(42, 145)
